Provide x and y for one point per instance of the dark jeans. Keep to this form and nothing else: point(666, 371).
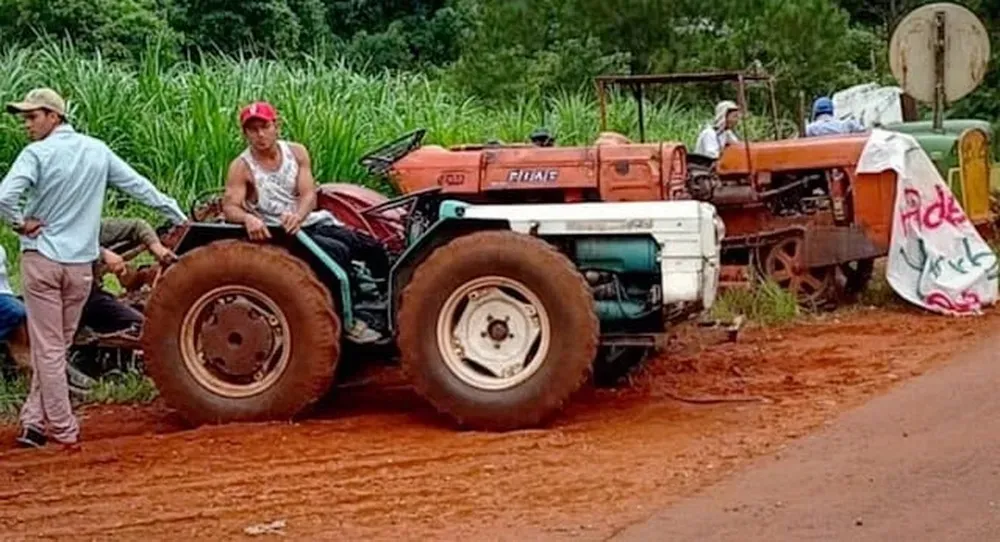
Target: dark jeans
point(12, 314)
point(103, 313)
point(345, 245)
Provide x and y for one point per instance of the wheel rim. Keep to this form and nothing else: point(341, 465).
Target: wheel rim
point(234, 341)
point(783, 266)
point(493, 333)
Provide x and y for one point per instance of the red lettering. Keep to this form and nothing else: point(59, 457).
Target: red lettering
point(970, 302)
point(912, 212)
point(934, 214)
point(956, 215)
point(942, 210)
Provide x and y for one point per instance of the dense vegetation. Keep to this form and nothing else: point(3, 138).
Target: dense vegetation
point(161, 80)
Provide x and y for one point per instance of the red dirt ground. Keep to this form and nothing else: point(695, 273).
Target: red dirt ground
point(377, 464)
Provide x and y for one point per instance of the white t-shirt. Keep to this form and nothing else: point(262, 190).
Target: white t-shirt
point(710, 143)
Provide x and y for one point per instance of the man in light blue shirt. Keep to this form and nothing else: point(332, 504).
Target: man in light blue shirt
point(65, 175)
point(824, 122)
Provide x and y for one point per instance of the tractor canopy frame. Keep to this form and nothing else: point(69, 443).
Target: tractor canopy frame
point(637, 82)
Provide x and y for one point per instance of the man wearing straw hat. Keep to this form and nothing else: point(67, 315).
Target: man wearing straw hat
point(65, 175)
point(714, 138)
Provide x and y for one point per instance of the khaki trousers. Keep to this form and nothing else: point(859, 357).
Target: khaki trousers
point(54, 295)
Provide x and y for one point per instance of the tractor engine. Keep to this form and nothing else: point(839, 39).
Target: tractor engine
point(623, 275)
point(785, 194)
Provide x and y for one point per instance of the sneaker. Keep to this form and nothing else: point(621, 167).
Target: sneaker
point(31, 437)
point(360, 333)
point(79, 383)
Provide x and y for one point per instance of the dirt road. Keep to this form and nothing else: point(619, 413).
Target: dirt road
point(376, 463)
point(918, 464)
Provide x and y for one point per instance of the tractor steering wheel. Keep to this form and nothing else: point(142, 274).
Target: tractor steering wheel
point(378, 161)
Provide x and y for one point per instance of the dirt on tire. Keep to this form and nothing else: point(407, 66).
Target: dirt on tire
point(565, 297)
point(273, 272)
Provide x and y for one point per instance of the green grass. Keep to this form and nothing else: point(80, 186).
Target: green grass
point(763, 303)
point(12, 394)
point(116, 388)
point(177, 123)
point(127, 387)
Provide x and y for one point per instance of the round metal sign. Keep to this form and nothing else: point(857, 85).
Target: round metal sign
point(966, 51)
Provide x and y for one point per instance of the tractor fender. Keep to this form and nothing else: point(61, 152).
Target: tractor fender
point(331, 274)
point(833, 245)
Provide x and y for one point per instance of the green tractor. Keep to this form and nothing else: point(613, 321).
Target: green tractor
point(938, 54)
point(497, 312)
point(962, 150)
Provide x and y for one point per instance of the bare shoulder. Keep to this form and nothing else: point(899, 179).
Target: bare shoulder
point(238, 171)
point(299, 151)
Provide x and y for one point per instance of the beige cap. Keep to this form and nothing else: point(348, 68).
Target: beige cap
point(39, 98)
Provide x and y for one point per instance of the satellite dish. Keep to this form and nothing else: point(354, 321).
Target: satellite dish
point(965, 52)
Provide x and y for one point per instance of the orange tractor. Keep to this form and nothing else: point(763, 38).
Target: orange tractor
point(794, 209)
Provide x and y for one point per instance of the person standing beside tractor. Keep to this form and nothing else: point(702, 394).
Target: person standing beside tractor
point(714, 137)
point(65, 175)
point(272, 181)
point(825, 123)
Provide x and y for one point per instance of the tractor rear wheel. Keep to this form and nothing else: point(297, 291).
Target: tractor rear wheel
point(782, 263)
point(497, 330)
point(237, 331)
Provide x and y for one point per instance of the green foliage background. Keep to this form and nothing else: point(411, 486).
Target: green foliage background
point(162, 80)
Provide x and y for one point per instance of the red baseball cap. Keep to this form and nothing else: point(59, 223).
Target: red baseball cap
point(258, 110)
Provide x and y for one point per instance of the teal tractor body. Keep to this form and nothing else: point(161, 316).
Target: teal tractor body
point(496, 313)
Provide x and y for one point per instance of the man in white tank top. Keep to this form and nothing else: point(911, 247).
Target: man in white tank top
point(272, 181)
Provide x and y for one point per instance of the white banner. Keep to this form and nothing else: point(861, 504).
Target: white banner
point(937, 259)
point(869, 104)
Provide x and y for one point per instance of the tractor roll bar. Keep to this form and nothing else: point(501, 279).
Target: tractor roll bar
point(637, 82)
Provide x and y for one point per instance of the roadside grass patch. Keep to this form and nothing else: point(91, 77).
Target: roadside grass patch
point(764, 303)
point(129, 387)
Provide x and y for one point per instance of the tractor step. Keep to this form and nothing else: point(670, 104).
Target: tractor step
point(648, 340)
point(732, 326)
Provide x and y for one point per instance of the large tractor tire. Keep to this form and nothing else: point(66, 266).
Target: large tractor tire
point(497, 330)
point(239, 332)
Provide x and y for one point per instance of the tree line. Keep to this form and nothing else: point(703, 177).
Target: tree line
point(500, 51)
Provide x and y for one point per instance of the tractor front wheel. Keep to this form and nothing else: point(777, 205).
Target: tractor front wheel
point(497, 330)
point(236, 332)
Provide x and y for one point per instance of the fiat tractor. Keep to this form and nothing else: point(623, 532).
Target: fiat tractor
point(796, 212)
point(497, 311)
